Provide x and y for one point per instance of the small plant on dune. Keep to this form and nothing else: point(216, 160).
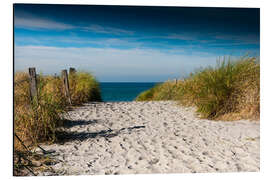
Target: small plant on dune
point(83, 88)
point(53, 89)
point(164, 91)
point(147, 95)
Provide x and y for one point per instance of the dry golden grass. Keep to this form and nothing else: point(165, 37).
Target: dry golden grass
point(83, 88)
point(36, 121)
point(229, 91)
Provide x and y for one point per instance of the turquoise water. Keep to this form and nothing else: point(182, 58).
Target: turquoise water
point(123, 91)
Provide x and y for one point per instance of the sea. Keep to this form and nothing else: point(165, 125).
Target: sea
point(123, 91)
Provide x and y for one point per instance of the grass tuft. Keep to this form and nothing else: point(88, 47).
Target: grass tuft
point(83, 88)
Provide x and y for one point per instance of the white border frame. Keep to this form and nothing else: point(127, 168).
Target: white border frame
point(7, 85)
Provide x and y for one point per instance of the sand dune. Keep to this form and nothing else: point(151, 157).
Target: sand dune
point(152, 137)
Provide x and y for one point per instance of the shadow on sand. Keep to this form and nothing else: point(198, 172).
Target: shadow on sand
point(64, 136)
point(69, 124)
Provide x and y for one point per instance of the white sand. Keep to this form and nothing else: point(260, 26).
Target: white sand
point(153, 137)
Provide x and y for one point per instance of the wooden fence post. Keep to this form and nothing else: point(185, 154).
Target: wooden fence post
point(66, 85)
point(33, 83)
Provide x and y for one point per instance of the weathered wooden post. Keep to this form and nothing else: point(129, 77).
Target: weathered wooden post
point(66, 85)
point(33, 83)
point(72, 70)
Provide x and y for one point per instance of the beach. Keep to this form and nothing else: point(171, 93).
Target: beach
point(151, 137)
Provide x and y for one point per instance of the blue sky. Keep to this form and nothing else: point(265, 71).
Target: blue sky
point(120, 43)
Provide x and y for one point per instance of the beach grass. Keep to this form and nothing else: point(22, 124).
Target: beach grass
point(228, 91)
point(84, 88)
point(37, 120)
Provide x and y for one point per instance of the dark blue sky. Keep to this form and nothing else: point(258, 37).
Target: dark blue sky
point(121, 43)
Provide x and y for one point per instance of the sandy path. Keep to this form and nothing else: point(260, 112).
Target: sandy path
point(153, 137)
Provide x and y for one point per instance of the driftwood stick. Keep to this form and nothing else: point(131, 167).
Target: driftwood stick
point(29, 170)
point(21, 142)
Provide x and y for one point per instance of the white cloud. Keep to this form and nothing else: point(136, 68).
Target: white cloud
point(75, 41)
point(108, 63)
point(32, 22)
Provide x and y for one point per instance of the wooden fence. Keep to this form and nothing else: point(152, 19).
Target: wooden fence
point(33, 83)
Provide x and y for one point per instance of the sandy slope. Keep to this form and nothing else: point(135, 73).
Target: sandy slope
point(153, 137)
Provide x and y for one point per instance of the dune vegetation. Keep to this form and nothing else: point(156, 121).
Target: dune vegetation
point(36, 120)
point(229, 91)
point(83, 88)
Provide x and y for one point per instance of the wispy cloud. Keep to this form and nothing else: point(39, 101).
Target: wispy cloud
point(211, 48)
point(75, 41)
point(107, 63)
point(240, 39)
point(214, 38)
point(28, 21)
point(107, 30)
point(185, 37)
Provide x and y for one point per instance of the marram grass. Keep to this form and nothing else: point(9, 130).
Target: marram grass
point(229, 91)
point(83, 88)
point(36, 121)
